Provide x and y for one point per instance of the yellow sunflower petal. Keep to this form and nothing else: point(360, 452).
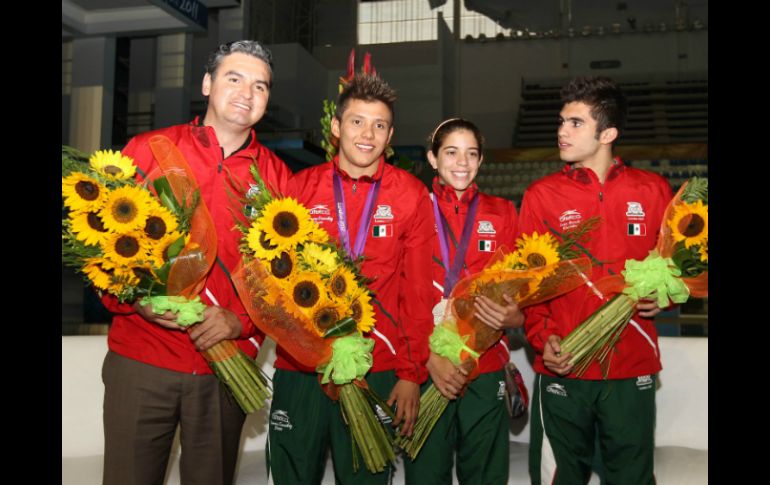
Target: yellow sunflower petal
point(88, 227)
point(129, 248)
point(319, 259)
point(82, 193)
point(538, 250)
point(285, 223)
point(125, 209)
point(113, 164)
point(690, 223)
point(262, 248)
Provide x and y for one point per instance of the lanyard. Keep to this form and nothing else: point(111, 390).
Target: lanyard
point(453, 272)
point(363, 223)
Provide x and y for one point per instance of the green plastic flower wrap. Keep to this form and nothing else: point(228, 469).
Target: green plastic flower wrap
point(188, 311)
point(447, 342)
point(655, 276)
point(351, 359)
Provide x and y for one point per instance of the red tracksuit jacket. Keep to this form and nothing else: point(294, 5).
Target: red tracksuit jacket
point(495, 227)
point(631, 203)
point(397, 250)
point(131, 335)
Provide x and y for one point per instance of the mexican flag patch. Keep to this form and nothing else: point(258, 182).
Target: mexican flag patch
point(382, 230)
point(637, 230)
point(487, 246)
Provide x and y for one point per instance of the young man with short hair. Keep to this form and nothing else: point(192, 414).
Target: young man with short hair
point(568, 410)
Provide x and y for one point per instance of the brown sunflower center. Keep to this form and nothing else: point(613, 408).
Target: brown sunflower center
point(155, 227)
point(282, 266)
point(691, 225)
point(339, 285)
point(87, 190)
point(306, 294)
point(124, 210)
point(357, 310)
point(325, 318)
point(127, 246)
point(265, 243)
point(286, 224)
point(113, 170)
point(535, 260)
point(95, 222)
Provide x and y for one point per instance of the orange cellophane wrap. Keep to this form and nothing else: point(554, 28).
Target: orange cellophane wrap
point(557, 279)
point(333, 390)
point(280, 320)
point(188, 273)
point(698, 285)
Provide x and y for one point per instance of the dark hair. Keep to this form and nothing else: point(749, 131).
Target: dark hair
point(607, 102)
point(250, 47)
point(451, 125)
point(366, 87)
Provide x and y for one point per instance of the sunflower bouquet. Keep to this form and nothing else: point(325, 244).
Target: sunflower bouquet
point(307, 294)
point(153, 240)
point(675, 270)
point(539, 269)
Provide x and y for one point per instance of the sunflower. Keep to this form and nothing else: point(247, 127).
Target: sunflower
point(260, 245)
point(129, 275)
point(284, 265)
point(362, 312)
point(160, 222)
point(126, 249)
point(325, 315)
point(318, 235)
point(510, 261)
point(113, 165)
point(159, 249)
point(690, 223)
point(125, 209)
point(538, 250)
point(88, 227)
point(704, 252)
point(342, 283)
point(100, 272)
point(285, 223)
point(306, 289)
point(82, 193)
point(319, 259)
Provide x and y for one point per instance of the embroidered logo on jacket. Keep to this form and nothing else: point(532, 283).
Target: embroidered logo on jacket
point(635, 229)
point(644, 382)
point(279, 420)
point(570, 219)
point(382, 230)
point(634, 209)
point(486, 227)
point(487, 246)
point(556, 389)
point(321, 212)
point(383, 212)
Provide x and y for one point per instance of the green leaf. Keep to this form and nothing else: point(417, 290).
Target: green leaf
point(166, 195)
point(343, 327)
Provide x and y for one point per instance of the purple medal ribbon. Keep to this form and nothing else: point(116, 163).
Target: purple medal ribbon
point(363, 223)
point(453, 272)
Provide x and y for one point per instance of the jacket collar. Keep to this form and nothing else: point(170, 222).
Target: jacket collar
point(587, 176)
point(447, 193)
point(365, 178)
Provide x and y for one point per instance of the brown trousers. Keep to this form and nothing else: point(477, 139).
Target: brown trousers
point(143, 405)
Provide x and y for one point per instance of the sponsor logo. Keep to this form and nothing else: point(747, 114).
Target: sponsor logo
point(637, 229)
point(644, 382)
point(570, 219)
point(320, 213)
point(487, 246)
point(634, 209)
point(253, 190)
point(383, 212)
point(556, 389)
point(486, 227)
point(279, 420)
point(500, 390)
point(382, 230)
